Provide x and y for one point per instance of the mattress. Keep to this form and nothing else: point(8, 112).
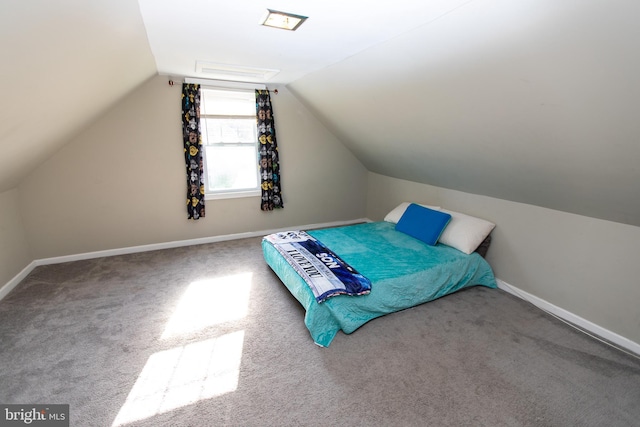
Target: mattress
point(404, 272)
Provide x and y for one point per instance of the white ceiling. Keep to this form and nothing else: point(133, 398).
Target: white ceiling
point(228, 32)
point(62, 63)
point(534, 101)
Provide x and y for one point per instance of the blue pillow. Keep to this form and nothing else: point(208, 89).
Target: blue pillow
point(423, 223)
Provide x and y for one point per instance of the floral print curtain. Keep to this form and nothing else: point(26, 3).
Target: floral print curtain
point(269, 162)
point(193, 150)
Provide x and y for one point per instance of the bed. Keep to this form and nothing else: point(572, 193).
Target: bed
point(404, 271)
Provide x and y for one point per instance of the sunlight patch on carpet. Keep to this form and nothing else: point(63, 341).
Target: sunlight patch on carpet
point(210, 302)
point(183, 376)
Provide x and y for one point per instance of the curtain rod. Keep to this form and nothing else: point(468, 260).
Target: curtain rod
point(225, 84)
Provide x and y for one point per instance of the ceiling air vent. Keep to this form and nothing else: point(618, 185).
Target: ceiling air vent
point(234, 72)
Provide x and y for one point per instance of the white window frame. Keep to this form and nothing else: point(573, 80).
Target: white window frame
point(233, 86)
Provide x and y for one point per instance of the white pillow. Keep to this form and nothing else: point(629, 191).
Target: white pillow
point(395, 215)
point(465, 232)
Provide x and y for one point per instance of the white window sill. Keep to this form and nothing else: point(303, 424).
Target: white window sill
point(233, 195)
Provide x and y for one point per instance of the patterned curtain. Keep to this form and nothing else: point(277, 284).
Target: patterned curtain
point(193, 150)
point(269, 160)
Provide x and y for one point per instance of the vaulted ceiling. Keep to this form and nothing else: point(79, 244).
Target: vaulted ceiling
point(534, 101)
point(530, 101)
point(63, 63)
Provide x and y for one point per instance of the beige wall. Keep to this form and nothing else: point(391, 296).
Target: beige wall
point(14, 250)
point(586, 266)
point(121, 182)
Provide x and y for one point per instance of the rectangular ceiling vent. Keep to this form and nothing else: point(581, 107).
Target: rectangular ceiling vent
point(234, 72)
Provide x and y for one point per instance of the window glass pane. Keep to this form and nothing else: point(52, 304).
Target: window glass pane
point(231, 168)
point(230, 103)
point(229, 130)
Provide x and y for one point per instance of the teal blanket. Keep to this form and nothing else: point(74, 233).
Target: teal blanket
point(403, 271)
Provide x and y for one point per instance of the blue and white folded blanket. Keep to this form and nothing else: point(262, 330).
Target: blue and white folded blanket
point(326, 274)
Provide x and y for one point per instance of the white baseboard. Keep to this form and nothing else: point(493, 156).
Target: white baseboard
point(9, 286)
point(574, 320)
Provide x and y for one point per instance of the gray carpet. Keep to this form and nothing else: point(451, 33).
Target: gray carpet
point(157, 339)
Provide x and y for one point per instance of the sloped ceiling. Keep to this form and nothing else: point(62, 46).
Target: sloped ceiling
point(534, 101)
point(63, 63)
point(529, 101)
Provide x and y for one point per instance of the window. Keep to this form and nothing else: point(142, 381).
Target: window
point(229, 138)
